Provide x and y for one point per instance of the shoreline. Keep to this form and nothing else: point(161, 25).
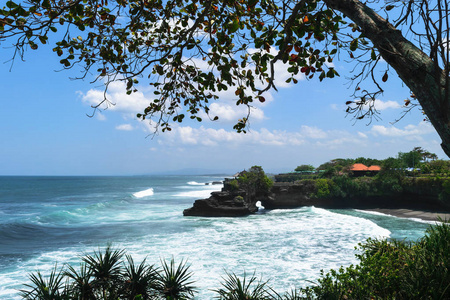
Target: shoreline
point(411, 214)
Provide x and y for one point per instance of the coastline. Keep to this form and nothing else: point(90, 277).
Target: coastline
point(411, 214)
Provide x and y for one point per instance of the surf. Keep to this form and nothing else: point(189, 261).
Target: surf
point(144, 193)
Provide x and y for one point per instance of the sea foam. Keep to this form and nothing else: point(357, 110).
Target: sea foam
point(195, 183)
point(144, 193)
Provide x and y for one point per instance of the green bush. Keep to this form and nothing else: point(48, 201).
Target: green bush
point(322, 188)
point(254, 181)
point(393, 270)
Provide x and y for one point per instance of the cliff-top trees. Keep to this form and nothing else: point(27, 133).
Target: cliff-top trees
point(305, 168)
point(191, 50)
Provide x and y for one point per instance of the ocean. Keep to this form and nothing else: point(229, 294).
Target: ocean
point(53, 220)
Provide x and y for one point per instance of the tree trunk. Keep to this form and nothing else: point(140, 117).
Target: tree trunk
point(417, 70)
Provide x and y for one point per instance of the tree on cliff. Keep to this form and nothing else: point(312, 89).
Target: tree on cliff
point(254, 181)
point(191, 50)
point(305, 168)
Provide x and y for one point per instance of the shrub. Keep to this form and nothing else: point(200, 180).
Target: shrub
point(393, 270)
point(322, 188)
point(254, 181)
point(104, 275)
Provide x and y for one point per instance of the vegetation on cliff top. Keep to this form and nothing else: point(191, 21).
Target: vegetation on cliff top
point(414, 172)
point(254, 181)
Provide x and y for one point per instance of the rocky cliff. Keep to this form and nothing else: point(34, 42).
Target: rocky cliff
point(230, 202)
point(415, 194)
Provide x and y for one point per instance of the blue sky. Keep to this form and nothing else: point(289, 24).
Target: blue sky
point(44, 128)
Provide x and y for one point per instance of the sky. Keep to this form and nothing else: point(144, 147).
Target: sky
point(45, 128)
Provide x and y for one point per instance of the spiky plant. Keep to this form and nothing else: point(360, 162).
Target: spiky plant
point(79, 285)
point(40, 288)
point(292, 295)
point(246, 289)
point(139, 280)
point(106, 269)
point(174, 282)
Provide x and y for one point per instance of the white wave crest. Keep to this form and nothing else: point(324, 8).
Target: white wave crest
point(195, 183)
point(195, 194)
point(144, 193)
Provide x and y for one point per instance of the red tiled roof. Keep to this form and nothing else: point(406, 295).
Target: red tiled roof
point(361, 167)
point(358, 167)
point(374, 168)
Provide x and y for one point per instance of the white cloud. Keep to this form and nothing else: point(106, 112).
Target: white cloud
point(380, 105)
point(118, 99)
point(383, 105)
point(100, 116)
point(362, 135)
point(125, 127)
point(264, 137)
point(313, 132)
point(232, 113)
point(422, 128)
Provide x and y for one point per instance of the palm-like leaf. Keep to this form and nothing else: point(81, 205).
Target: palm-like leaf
point(106, 269)
point(42, 289)
point(139, 280)
point(105, 266)
point(80, 286)
point(236, 289)
point(174, 282)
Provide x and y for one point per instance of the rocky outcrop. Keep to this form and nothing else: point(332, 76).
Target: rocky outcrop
point(229, 202)
point(226, 203)
point(422, 196)
point(223, 204)
point(416, 194)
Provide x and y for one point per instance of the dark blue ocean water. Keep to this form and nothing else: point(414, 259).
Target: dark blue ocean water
point(44, 220)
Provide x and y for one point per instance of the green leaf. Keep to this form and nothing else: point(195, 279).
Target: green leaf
point(373, 55)
point(354, 45)
point(234, 26)
point(43, 39)
point(11, 5)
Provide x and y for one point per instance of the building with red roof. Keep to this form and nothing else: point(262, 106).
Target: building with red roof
point(363, 170)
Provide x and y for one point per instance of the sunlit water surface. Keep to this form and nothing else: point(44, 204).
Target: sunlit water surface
point(44, 220)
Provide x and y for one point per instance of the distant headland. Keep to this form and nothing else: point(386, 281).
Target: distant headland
point(414, 184)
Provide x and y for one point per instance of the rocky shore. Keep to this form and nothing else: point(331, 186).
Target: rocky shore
point(423, 204)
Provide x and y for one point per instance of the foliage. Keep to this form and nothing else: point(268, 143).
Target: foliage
point(238, 45)
point(166, 41)
point(139, 279)
point(105, 270)
point(235, 288)
point(322, 188)
point(393, 270)
point(254, 181)
point(233, 184)
point(367, 161)
point(104, 276)
point(439, 167)
point(410, 159)
point(42, 289)
point(305, 168)
point(175, 281)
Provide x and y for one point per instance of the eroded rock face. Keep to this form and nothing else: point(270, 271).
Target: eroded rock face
point(237, 203)
point(223, 204)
